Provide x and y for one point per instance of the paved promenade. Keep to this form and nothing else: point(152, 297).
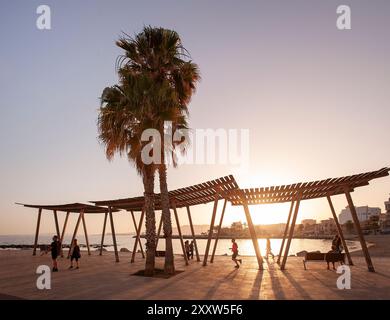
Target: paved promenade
point(101, 278)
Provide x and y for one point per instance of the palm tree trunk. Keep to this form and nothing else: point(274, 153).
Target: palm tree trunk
point(150, 221)
point(169, 265)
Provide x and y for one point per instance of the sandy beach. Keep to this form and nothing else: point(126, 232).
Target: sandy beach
point(101, 278)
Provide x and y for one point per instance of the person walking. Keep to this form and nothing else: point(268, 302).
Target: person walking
point(268, 251)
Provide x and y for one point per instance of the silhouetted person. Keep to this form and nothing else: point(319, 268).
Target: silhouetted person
point(75, 254)
point(187, 248)
point(55, 249)
point(234, 249)
point(268, 251)
point(336, 244)
point(192, 249)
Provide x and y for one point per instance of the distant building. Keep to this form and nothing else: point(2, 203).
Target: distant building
point(387, 206)
point(384, 219)
point(326, 227)
point(363, 213)
point(308, 222)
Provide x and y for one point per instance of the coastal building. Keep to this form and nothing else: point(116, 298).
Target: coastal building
point(364, 213)
point(308, 222)
point(384, 219)
point(326, 227)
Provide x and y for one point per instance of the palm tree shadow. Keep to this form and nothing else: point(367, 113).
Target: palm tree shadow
point(165, 285)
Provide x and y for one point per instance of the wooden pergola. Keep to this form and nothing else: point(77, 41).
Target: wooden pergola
point(203, 193)
point(81, 209)
point(295, 193)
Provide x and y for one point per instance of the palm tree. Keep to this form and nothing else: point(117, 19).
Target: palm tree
point(159, 54)
point(122, 118)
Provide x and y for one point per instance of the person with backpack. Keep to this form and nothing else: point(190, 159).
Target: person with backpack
point(75, 254)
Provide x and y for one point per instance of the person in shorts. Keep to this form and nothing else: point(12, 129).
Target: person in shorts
point(75, 254)
point(234, 249)
point(55, 251)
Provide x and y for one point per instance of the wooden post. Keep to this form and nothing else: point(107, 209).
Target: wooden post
point(37, 231)
point(218, 232)
point(193, 234)
point(86, 234)
point(340, 231)
point(63, 232)
point(113, 234)
point(137, 238)
point(159, 230)
point(179, 231)
point(206, 253)
point(291, 234)
point(253, 235)
point(359, 230)
point(285, 232)
point(103, 233)
point(56, 224)
point(136, 228)
point(75, 232)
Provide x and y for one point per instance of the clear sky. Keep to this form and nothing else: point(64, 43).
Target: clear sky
point(315, 99)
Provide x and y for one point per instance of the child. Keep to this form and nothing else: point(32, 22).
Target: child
point(235, 254)
point(55, 250)
point(75, 255)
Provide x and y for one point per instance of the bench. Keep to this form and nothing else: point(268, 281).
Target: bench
point(160, 253)
point(327, 257)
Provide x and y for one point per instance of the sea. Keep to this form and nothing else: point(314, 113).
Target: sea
point(127, 241)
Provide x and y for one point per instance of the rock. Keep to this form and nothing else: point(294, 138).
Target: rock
point(124, 250)
point(98, 249)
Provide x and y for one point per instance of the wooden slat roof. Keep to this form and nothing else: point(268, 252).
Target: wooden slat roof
point(69, 207)
point(189, 196)
point(306, 190)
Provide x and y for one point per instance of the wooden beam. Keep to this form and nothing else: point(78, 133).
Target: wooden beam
point(75, 232)
point(252, 232)
point(103, 233)
point(291, 234)
point(63, 231)
point(359, 231)
point(86, 234)
point(193, 233)
point(137, 238)
point(159, 230)
point(136, 228)
point(218, 232)
point(206, 253)
point(179, 231)
point(37, 231)
point(113, 234)
point(285, 232)
point(340, 231)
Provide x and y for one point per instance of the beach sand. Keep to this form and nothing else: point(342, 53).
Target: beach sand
point(100, 277)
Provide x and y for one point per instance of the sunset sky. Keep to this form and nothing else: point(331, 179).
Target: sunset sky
point(314, 98)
